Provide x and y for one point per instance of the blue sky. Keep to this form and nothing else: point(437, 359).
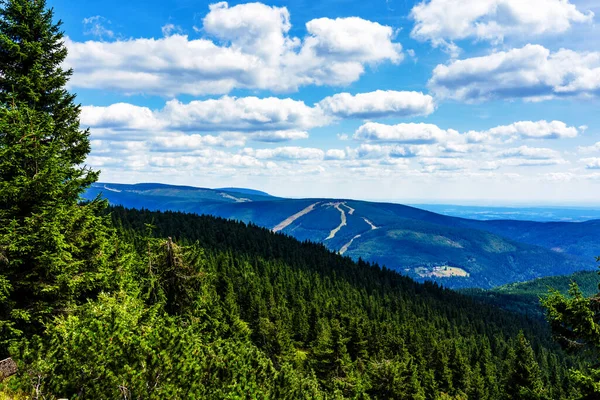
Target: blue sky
point(477, 101)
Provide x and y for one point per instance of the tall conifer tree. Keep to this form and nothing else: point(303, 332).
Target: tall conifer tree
point(52, 249)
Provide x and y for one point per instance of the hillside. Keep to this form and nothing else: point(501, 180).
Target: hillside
point(524, 297)
point(456, 252)
point(356, 325)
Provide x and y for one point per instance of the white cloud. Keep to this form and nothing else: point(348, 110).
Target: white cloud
point(278, 136)
point(170, 29)
point(94, 26)
point(532, 153)
point(261, 119)
point(376, 151)
point(187, 143)
point(377, 104)
point(433, 146)
point(254, 28)
point(452, 141)
point(402, 133)
point(445, 164)
point(253, 51)
point(531, 72)
point(286, 153)
point(536, 130)
point(444, 21)
point(335, 154)
point(590, 149)
point(243, 113)
point(591, 163)
point(352, 39)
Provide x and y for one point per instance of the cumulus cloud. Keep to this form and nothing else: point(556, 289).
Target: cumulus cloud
point(533, 153)
point(262, 119)
point(591, 163)
point(531, 73)
point(452, 141)
point(376, 151)
point(352, 39)
point(335, 154)
point(243, 113)
point(536, 130)
point(269, 119)
point(445, 21)
point(253, 50)
point(120, 116)
point(378, 104)
point(402, 133)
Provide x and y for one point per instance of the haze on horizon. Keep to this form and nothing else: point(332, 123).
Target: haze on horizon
point(489, 102)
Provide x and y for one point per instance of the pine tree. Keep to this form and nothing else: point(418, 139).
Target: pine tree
point(525, 380)
point(32, 51)
point(54, 250)
point(575, 322)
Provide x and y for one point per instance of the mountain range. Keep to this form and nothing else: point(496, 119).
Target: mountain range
point(457, 252)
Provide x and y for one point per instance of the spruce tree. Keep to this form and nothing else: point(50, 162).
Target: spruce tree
point(53, 250)
point(524, 381)
point(575, 322)
point(32, 52)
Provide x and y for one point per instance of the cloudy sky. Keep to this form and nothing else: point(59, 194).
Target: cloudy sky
point(462, 101)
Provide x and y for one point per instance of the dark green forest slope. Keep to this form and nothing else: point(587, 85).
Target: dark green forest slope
point(524, 297)
point(235, 310)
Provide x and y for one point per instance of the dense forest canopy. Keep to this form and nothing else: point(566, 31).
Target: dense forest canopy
point(101, 302)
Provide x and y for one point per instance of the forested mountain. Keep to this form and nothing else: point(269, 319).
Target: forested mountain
point(525, 297)
point(455, 252)
point(200, 307)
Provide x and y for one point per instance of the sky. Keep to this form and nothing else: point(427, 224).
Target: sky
point(445, 101)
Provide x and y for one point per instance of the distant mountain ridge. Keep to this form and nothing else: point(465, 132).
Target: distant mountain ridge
point(457, 252)
point(522, 213)
point(245, 191)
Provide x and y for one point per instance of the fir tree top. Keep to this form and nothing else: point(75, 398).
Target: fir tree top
point(32, 55)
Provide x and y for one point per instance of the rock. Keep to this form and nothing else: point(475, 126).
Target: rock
point(7, 368)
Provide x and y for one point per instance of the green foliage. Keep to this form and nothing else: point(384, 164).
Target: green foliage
point(117, 347)
point(524, 381)
point(525, 297)
point(31, 59)
point(54, 252)
point(575, 322)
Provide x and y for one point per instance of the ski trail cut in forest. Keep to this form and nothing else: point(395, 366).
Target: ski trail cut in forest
point(286, 222)
point(111, 189)
point(342, 223)
point(350, 209)
point(236, 199)
point(373, 227)
point(345, 247)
